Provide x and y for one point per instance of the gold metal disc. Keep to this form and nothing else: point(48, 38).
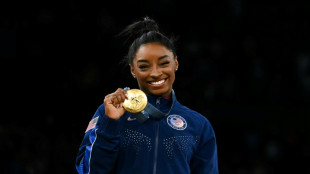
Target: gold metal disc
point(136, 101)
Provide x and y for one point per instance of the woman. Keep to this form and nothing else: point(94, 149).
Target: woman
point(170, 138)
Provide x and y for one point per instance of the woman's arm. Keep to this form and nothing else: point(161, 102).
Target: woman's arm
point(205, 160)
point(99, 149)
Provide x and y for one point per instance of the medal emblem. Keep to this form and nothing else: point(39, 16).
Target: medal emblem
point(176, 122)
point(136, 101)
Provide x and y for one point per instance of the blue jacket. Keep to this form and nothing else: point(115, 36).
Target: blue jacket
point(182, 142)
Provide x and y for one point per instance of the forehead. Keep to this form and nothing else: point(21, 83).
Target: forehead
point(152, 50)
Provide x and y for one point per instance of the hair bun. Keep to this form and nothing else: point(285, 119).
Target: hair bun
point(139, 28)
point(149, 25)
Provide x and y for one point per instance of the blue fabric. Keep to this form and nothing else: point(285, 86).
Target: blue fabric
point(151, 110)
point(126, 146)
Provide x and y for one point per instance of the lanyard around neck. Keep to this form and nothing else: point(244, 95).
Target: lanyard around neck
point(152, 111)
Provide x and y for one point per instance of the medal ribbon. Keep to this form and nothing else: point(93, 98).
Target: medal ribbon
point(153, 111)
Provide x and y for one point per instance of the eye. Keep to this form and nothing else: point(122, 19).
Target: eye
point(143, 66)
point(165, 63)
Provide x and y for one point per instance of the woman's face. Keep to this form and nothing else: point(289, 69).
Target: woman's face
point(154, 68)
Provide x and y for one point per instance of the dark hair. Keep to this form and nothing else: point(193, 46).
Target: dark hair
point(143, 32)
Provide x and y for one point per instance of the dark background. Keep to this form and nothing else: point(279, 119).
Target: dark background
point(244, 65)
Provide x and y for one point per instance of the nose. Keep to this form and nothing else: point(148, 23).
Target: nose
point(155, 72)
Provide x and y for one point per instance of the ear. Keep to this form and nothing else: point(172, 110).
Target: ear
point(176, 63)
point(132, 70)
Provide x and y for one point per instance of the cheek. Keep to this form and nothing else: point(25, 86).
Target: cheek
point(141, 76)
point(173, 77)
point(172, 72)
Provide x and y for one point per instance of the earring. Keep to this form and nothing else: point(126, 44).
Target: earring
point(176, 69)
point(134, 76)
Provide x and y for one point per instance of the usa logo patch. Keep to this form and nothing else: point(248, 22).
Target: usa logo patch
point(176, 122)
point(92, 124)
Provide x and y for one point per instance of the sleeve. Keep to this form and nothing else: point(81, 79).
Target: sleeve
point(205, 159)
point(99, 149)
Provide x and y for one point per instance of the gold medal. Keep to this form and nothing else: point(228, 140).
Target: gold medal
point(136, 101)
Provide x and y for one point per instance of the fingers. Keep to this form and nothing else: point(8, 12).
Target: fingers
point(117, 98)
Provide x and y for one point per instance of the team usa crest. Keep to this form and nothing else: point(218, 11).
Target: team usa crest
point(176, 122)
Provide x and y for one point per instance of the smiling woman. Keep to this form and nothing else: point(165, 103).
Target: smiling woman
point(154, 67)
point(165, 137)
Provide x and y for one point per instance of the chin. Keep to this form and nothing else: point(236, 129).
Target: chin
point(159, 92)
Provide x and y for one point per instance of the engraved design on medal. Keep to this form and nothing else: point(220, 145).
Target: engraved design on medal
point(136, 101)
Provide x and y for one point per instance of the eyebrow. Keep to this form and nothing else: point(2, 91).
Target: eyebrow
point(161, 57)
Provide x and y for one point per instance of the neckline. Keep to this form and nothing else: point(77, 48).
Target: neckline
point(152, 110)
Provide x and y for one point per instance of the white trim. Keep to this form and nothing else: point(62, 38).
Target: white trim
point(91, 149)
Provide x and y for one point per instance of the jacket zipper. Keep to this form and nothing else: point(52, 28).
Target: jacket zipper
point(158, 101)
point(156, 139)
point(156, 148)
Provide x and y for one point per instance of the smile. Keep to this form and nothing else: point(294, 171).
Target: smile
point(157, 83)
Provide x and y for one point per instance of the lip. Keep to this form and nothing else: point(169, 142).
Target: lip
point(158, 85)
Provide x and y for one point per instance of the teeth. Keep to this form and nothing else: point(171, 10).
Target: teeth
point(158, 83)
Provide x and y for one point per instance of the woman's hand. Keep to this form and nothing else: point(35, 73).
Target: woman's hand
point(113, 104)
